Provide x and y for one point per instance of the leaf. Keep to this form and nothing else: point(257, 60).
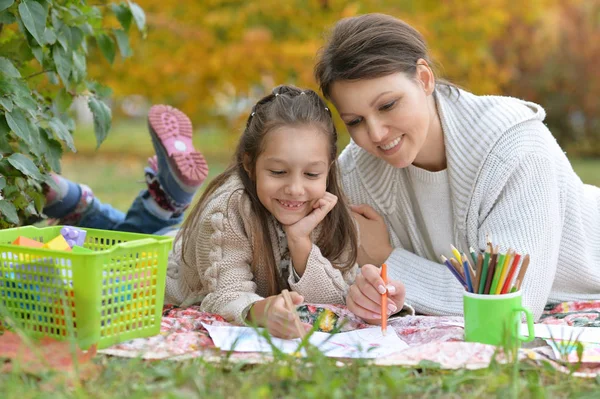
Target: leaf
point(79, 67)
point(61, 131)
point(8, 212)
point(47, 354)
point(53, 154)
point(123, 14)
point(138, 15)
point(6, 103)
point(25, 166)
point(34, 17)
point(4, 4)
point(76, 37)
point(62, 62)
point(19, 124)
point(102, 118)
point(38, 53)
point(123, 42)
point(7, 18)
point(49, 36)
point(64, 36)
point(22, 95)
point(63, 100)
point(2, 182)
point(8, 69)
point(107, 46)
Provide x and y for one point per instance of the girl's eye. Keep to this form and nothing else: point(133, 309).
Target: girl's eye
point(313, 175)
point(388, 106)
point(354, 122)
point(277, 172)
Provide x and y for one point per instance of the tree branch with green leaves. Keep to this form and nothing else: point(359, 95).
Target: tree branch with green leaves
point(44, 48)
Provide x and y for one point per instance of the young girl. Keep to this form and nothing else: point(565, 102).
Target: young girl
point(275, 219)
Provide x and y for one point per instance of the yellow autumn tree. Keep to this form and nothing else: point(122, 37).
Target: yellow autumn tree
point(213, 58)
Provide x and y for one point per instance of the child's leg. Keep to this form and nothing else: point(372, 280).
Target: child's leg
point(174, 174)
point(73, 202)
point(173, 177)
point(180, 169)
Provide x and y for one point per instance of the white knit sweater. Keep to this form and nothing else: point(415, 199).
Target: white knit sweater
point(220, 276)
point(508, 177)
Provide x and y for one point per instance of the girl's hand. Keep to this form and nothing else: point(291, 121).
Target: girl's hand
point(364, 296)
point(272, 314)
point(375, 245)
point(302, 228)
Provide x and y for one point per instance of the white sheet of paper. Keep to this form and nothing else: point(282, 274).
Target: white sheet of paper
point(557, 331)
point(365, 343)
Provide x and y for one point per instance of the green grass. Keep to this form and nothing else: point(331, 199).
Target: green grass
point(115, 174)
point(315, 377)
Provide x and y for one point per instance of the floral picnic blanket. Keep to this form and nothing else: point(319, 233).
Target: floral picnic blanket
point(433, 339)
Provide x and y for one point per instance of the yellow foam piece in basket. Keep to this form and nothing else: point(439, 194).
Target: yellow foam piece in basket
point(58, 243)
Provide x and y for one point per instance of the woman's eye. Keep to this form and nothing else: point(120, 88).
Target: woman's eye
point(388, 106)
point(354, 122)
point(277, 172)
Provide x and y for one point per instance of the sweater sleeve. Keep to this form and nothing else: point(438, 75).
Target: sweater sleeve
point(321, 281)
point(524, 216)
point(229, 277)
point(527, 217)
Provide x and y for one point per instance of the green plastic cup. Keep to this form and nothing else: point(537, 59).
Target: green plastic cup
point(496, 319)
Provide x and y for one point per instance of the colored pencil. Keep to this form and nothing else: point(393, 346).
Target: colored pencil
point(504, 271)
point(491, 271)
point(384, 300)
point(522, 272)
point(456, 254)
point(484, 270)
point(458, 267)
point(468, 275)
point(497, 273)
point(473, 256)
point(454, 272)
point(289, 304)
point(465, 258)
point(478, 271)
point(511, 274)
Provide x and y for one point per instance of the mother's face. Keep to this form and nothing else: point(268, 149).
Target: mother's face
point(387, 116)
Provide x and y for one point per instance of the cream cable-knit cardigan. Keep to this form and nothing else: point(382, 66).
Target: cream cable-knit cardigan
point(508, 177)
point(221, 250)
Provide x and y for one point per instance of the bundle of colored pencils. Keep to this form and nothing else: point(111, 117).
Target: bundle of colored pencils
point(494, 273)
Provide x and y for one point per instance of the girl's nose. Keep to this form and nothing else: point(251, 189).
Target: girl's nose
point(294, 187)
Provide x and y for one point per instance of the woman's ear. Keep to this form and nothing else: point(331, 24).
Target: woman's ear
point(425, 76)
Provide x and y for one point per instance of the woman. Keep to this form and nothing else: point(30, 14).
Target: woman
point(433, 165)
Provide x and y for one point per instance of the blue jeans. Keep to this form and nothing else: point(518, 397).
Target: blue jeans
point(139, 218)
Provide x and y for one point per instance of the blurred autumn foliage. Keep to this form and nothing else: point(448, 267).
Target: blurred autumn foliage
point(213, 58)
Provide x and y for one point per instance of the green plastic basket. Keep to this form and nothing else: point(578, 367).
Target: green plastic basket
point(110, 295)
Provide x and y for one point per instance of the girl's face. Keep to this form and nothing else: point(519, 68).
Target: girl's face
point(291, 173)
point(388, 116)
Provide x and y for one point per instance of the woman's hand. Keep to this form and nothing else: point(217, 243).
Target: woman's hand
point(302, 228)
point(364, 296)
point(375, 245)
point(272, 314)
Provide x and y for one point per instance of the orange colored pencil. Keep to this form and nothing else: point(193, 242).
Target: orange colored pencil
point(384, 299)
